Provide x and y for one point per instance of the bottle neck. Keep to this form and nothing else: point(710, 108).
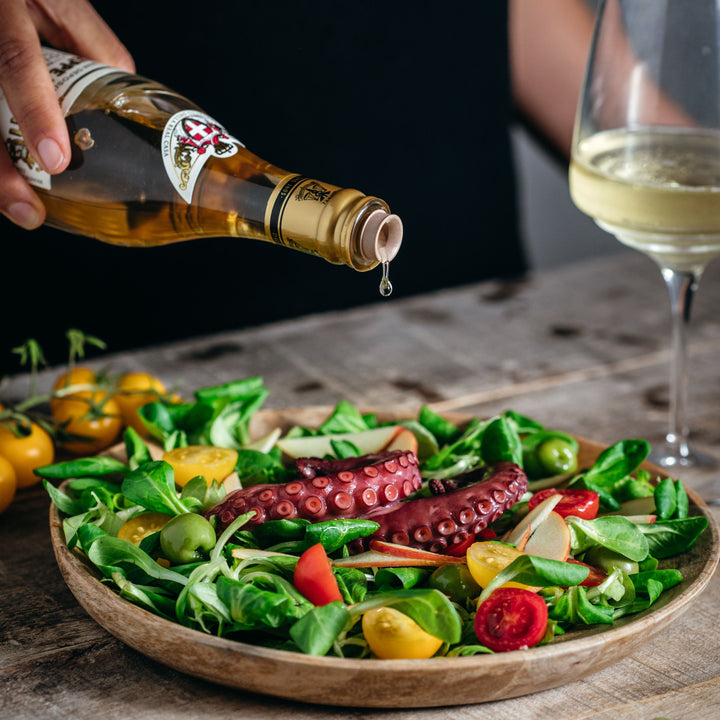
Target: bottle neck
point(341, 225)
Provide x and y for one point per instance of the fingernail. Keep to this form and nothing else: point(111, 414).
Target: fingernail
point(24, 214)
point(51, 156)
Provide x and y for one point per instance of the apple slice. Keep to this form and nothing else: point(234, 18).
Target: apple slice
point(522, 542)
point(642, 519)
point(551, 539)
point(265, 443)
point(533, 519)
point(232, 482)
point(384, 546)
point(366, 441)
point(405, 440)
point(377, 559)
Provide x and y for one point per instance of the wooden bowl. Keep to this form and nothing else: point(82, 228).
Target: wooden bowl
point(385, 683)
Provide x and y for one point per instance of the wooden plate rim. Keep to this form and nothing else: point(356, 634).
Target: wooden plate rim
point(393, 683)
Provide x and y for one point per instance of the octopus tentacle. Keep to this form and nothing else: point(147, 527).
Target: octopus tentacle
point(459, 511)
point(349, 488)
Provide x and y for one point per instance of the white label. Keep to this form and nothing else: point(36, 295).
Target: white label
point(70, 76)
point(190, 138)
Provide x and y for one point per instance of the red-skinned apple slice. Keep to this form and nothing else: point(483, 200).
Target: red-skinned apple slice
point(385, 554)
point(366, 441)
point(550, 540)
point(533, 519)
point(642, 519)
point(384, 546)
point(405, 440)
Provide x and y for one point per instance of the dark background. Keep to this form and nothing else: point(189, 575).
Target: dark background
point(408, 101)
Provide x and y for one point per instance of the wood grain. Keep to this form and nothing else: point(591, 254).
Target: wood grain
point(582, 348)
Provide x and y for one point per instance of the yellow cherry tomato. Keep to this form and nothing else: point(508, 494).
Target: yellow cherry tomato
point(136, 390)
point(26, 452)
point(392, 634)
point(137, 528)
point(8, 483)
point(95, 416)
point(486, 559)
point(213, 463)
point(76, 376)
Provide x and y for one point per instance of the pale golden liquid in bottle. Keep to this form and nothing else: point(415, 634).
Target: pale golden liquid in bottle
point(117, 190)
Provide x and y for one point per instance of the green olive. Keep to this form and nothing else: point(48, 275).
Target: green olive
point(606, 560)
point(187, 538)
point(456, 582)
point(556, 456)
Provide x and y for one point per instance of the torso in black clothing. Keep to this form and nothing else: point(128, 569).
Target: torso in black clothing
point(408, 101)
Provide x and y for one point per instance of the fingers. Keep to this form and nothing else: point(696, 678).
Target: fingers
point(28, 89)
point(17, 200)
point(71, 25)
point(75, 26)
point(31, 97)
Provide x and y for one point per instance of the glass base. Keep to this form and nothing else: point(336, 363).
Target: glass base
point(673, 457)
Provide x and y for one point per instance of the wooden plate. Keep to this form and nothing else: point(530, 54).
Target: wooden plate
point(384, 683)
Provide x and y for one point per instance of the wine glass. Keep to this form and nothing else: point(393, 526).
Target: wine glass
point(646, 157)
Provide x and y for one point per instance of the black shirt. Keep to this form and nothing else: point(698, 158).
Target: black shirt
point(407, 101)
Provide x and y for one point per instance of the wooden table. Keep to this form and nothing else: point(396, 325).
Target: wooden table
point(583, 348)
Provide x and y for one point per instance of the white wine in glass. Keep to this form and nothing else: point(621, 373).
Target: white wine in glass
point(646, 157)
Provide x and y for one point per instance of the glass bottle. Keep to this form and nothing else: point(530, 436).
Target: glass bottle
point(149, 167)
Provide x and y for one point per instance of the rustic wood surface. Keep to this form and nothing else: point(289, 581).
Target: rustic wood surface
point(583, 348)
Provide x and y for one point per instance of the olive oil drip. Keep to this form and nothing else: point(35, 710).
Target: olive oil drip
point(386, 287)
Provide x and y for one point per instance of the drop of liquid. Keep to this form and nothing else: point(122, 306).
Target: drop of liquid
point(385, 284)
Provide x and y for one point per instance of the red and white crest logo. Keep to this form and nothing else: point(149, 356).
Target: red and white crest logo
point(190, 138)
point(204, 136)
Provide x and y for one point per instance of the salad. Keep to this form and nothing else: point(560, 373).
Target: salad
point(583, 546)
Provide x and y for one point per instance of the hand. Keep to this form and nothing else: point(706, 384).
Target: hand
point(71, 25)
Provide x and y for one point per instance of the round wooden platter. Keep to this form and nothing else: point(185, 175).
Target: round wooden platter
point(384, 683)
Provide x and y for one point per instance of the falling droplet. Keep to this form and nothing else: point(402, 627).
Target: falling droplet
point(386, 287)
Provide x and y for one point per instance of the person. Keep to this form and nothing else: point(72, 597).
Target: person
point(411, 101)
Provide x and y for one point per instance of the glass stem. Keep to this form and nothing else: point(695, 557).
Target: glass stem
point(682, 285)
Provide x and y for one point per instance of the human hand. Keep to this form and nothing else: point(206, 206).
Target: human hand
point(71, 25)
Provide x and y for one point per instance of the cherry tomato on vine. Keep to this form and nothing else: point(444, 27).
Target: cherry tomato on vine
point(511, 619)
point(76, 376)
point(582, 503)
point(26, 448)
point(314, 578)
point(8, 483)
point(213, 463)
point(392, 635)
point(93, 415)
point(135, 390)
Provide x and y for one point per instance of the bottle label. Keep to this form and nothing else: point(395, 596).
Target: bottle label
point(189, 140)
point(70, 76)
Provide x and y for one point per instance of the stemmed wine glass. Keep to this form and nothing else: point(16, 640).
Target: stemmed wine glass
point(646, 156)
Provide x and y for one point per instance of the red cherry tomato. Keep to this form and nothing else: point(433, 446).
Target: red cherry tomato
point(314, 577)
point(595, 576)
point(582, 503)
point(511, 619)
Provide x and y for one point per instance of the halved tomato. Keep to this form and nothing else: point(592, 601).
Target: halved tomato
point(511, 619)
